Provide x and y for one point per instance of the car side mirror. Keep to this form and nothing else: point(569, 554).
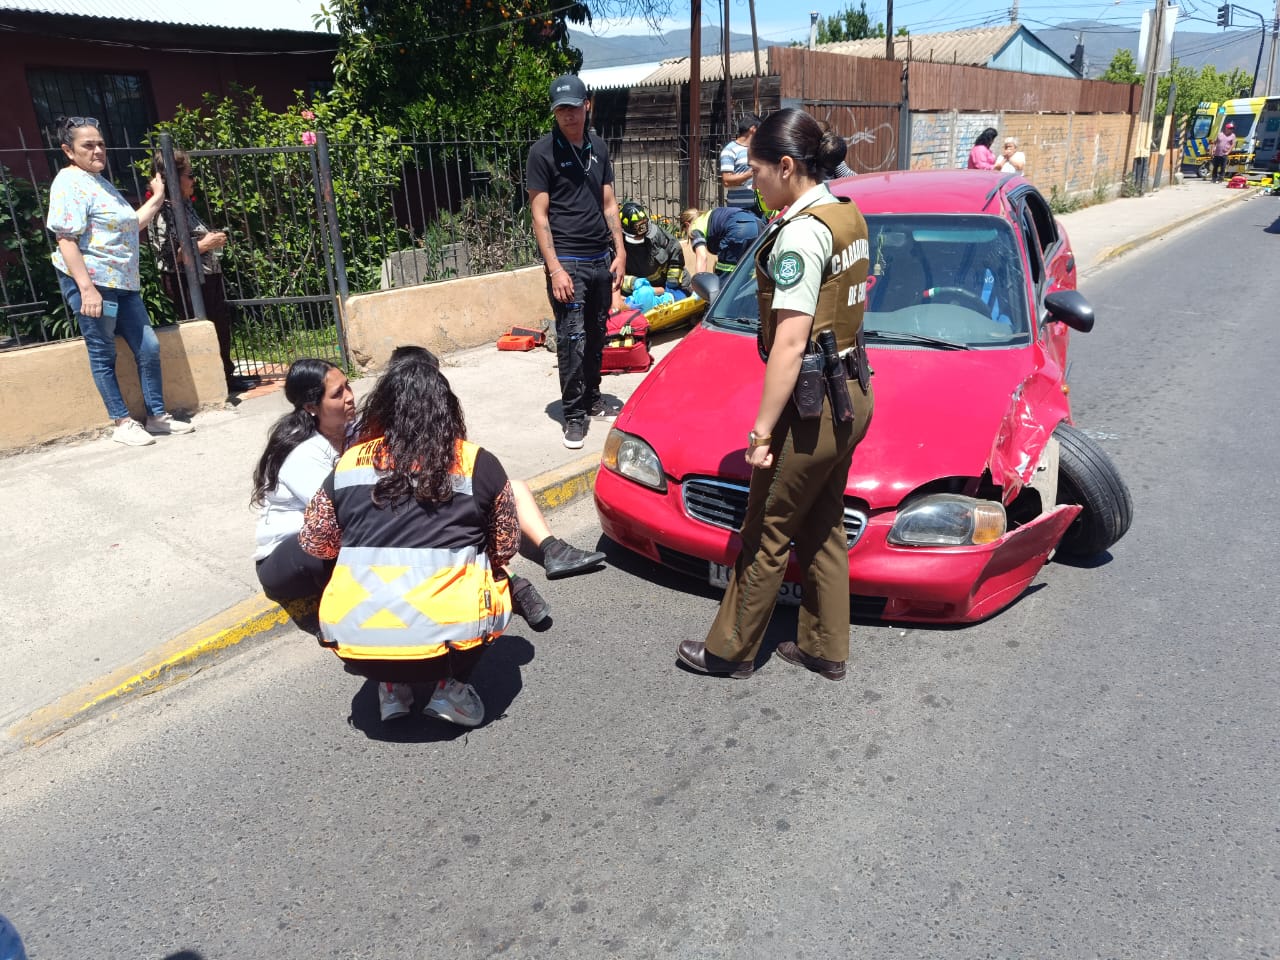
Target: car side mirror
point(1070, 307)
point(706, 285)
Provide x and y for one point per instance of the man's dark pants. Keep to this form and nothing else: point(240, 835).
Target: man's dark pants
point(580, 326)
point(1219, 168)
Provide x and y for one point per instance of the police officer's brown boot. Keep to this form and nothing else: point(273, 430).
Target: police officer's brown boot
point(790, 651)
point(695, 655)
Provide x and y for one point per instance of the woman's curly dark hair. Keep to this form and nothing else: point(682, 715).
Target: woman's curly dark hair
point(303, 385)
point(419, 419)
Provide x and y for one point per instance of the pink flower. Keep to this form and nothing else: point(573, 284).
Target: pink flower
point(309, 138)
point(308, 115)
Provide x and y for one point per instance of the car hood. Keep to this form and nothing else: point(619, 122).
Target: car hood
point(938, 413)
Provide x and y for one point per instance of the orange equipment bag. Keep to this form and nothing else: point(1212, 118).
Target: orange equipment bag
point(522, 339)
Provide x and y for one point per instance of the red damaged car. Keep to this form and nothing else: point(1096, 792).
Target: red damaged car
point(971, 474)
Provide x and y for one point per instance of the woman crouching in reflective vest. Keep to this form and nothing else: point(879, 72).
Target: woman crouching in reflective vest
point(421, 523)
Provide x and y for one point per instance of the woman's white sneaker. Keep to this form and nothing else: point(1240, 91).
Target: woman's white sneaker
point(130, 432)
point(456, 702)
point(164, 425)
point(395, 700)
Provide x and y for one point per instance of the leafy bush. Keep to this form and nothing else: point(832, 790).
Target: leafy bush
point(27, 275)
point(269, 200)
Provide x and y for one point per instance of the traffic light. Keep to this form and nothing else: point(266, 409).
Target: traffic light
point(1224, 15)
point(1077, 59)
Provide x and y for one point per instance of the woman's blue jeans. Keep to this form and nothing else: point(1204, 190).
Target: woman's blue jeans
point(131, 322)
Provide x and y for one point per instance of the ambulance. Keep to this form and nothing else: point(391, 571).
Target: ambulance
point(1197, 148)
point(1209, 119)
point(1243, 114)
point(1267, 134)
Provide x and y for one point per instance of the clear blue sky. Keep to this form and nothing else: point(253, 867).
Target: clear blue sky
point(782, 20)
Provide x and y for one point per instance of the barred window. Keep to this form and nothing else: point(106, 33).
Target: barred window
point(122, 102)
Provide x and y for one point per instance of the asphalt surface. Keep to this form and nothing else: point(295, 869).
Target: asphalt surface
point(126, 568)
point(1092, 773)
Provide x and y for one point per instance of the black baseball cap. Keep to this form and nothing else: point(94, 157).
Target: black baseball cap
point(568, 91)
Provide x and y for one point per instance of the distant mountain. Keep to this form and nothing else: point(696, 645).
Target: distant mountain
point(1225, 49)
point(599, 52)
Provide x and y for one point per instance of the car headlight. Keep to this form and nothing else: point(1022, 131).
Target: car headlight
point(948, 520)
point(634, 459)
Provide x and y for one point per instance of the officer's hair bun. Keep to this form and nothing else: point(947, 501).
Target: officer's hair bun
point(830, 153)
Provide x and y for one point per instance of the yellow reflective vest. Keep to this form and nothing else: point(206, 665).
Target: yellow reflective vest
point(413, 580)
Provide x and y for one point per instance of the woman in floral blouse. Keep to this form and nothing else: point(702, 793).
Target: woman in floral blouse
point(97, 262)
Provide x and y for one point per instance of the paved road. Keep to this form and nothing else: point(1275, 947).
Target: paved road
point(1091, 774)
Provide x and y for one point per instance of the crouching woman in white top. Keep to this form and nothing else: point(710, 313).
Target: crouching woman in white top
point(301, 451)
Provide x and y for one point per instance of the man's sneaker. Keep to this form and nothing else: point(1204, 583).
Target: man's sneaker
point(395, 700)
point(602, 410)
point(574, 432)
point(456, 702)
point(164, 425)
point(130, 432)
point(528, 602)
point(560, 559)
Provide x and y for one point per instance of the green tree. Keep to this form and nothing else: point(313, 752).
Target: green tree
point(1193, 87)
point(462, 63)
point(1122, 69)
point(850, 24)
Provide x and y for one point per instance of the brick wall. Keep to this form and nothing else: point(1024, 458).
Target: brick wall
point(1076, 153)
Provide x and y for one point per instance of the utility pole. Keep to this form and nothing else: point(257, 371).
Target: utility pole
point(728, 80)
point(1146, 112)
point(755, 49)
point(1013, 12)
point(1275, 37)
point(694, 181)
point(888, 30)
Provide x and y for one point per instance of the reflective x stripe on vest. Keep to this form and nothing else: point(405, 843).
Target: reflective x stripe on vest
point(386, 601)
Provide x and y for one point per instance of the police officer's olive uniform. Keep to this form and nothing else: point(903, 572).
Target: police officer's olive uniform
point(816, 263)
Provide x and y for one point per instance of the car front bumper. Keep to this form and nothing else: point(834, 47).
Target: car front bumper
point(913, 584)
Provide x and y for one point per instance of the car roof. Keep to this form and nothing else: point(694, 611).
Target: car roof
point(925, 191)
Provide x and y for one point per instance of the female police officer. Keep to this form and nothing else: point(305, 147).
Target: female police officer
point(811, 270)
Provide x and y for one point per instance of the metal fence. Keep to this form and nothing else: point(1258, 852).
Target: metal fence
point(308, 225)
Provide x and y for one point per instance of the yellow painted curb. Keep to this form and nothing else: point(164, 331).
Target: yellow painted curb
point(172, 661)
point(563, 485)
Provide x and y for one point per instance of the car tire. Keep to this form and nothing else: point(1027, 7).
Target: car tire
point(1204, 169)
point(1087, 476)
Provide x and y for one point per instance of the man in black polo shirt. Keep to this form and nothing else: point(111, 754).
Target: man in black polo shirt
point(575, 222)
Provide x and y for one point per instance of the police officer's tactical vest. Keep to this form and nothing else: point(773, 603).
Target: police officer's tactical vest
point(413, 580)
point(842, 294)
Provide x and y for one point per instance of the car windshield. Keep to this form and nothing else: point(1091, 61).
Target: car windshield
point(1202, 126)
point(934, 280)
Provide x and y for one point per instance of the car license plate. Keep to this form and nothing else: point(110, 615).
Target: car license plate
point(790, 594)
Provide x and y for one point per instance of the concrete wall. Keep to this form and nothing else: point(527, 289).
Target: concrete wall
point(47, 392)
point(446, 316)
point(1074, 152)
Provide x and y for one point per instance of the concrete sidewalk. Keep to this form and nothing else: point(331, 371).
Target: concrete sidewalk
point(126, 566)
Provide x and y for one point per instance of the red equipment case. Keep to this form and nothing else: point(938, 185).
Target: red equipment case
point(626, 343)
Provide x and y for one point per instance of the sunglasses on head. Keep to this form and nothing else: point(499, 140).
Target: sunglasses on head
point(82, 121)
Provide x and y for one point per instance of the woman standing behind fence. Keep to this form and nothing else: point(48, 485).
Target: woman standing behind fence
point(172, 259)
point(97, 262)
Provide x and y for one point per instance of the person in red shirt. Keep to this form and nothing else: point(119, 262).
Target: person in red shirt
point(1222, 148)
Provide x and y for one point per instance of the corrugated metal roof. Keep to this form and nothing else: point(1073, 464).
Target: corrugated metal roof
point(230, 14)
point(608, 78)
point(973, 47)
point(676, 70)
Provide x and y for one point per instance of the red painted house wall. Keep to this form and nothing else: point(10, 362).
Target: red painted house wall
point(174, 78)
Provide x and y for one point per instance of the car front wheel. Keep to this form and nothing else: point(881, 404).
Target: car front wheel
point(1087, 476)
